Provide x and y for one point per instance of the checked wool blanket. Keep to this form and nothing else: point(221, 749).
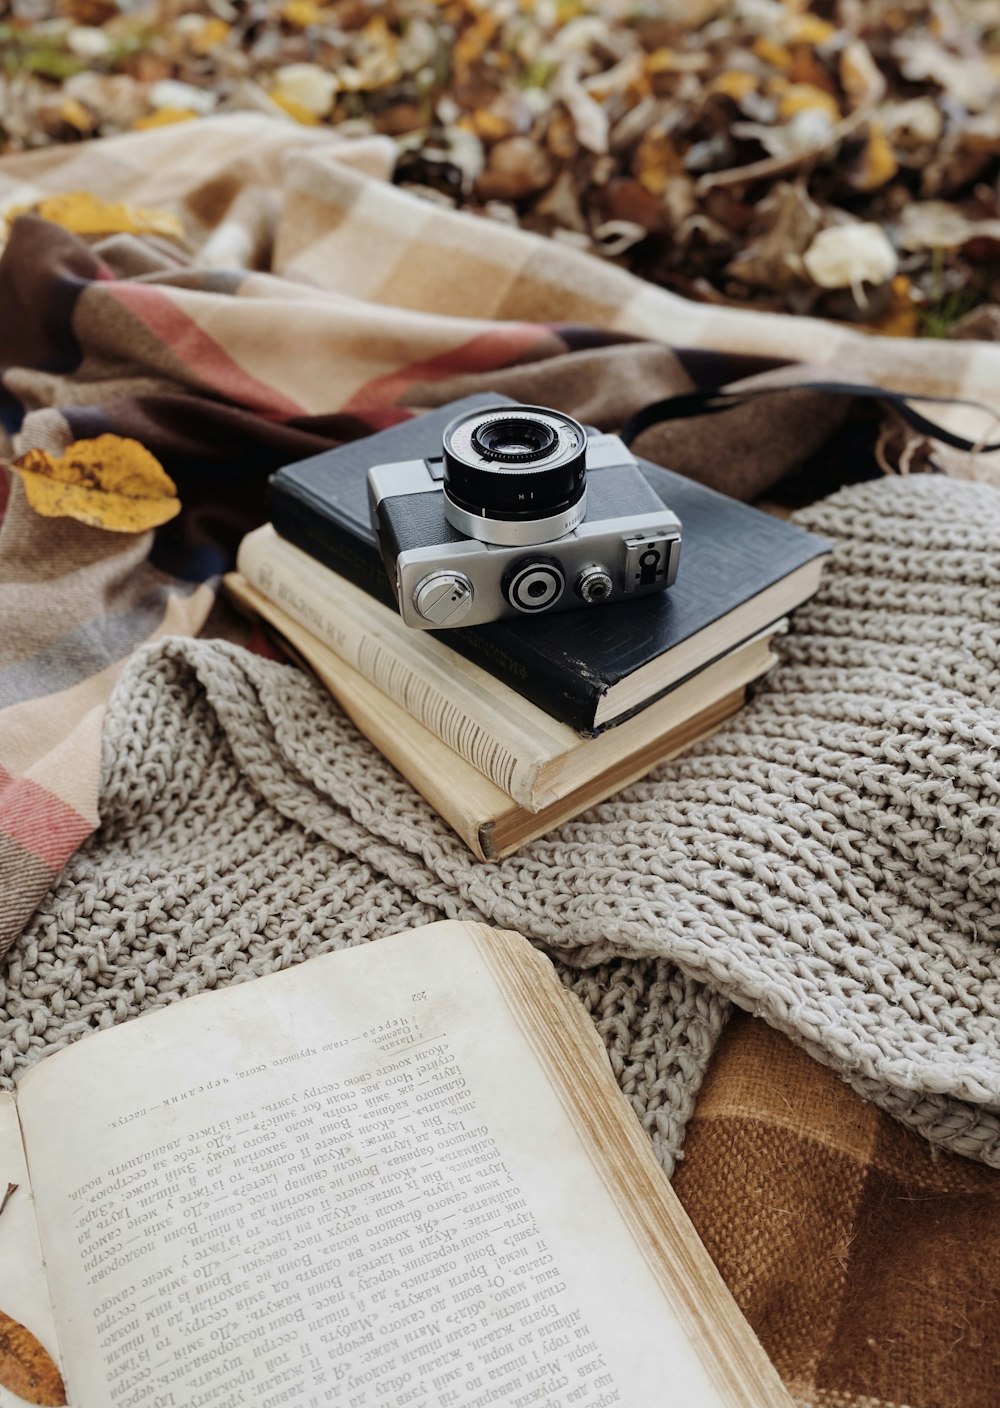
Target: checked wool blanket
point(309, 301)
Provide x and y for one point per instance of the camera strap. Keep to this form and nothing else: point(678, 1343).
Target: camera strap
point(708, 402)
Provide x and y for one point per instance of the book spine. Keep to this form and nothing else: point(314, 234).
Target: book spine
point(449, 707)
point(563, 692)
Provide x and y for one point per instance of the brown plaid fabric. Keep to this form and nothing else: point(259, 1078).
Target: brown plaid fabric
point(867, 1262)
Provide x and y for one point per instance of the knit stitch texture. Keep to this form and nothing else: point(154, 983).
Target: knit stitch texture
point(828, 861)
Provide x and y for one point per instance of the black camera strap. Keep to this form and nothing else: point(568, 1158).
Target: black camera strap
point(708, 402)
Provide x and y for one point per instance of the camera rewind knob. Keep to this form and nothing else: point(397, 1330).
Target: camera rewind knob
point(443, 598)
point(594, 584)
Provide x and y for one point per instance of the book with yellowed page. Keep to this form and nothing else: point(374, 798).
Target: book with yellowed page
point(395, 1176)
point(577, 772)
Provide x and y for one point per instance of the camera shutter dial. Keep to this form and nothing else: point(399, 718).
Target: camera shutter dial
point(533, 584)
point(443, 598)
point(514, 475)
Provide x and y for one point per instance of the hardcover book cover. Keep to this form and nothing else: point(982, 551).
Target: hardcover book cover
point(740, 569)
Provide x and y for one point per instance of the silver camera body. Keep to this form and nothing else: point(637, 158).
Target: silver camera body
point(524, 513)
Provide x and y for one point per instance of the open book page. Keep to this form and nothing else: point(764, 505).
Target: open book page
point(567, 1045)
point(24, 1293)
point(347, 1182)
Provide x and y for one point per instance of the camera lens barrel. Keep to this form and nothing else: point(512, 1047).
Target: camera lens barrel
point(515, 475)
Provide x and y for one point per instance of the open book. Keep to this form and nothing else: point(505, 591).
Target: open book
point(400, 1174)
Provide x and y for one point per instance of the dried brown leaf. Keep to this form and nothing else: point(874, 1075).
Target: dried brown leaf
point(517, 167)
point(786, 224)
point(26, 1367)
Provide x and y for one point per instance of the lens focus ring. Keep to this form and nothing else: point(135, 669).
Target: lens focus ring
point(515, 465)
point(533, 584)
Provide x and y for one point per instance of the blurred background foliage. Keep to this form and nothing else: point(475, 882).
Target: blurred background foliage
point(839, 157)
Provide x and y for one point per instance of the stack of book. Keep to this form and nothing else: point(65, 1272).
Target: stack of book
point(511, 728)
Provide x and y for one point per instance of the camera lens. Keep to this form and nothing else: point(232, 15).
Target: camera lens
point(516, 440)
point(514, 474)
point(533, 584)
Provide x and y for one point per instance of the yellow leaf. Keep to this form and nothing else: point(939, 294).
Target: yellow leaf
point(294, 109)
point(489, 125)
point(211, 34)
point(661, 61)
point(878, 162)
point(770, 52)
point(808, 29)
point(26, 1368)
point(656, 160)
point(164, 117)
point(798, 97)
point(74, 113)
point(84, 214)
point(108, 482)
point(734, 83)
point(902, 317)
point(301, 13)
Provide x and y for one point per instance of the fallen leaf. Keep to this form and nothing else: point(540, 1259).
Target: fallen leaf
point(209, 36)
point(902, 315)
point(26, 1367)
point(809, 130)
point(590, 121)
point(934, 224)
point(656, 162)
point(968, 81)
point(74, 113)
point(164, 117)
point(300, 14)
point(107, 482)
point(784, 226)
point(11, 1190)
point(517, 167)
point(305, 86)
point(169, 93)
point(294, 110)
point(861, 78)
point(913, 124)
point(85, 214)
point(773, 54)
point(877, 163)
point(88, 42)
point(734, 83)
point(808, 29)
point(803, 97)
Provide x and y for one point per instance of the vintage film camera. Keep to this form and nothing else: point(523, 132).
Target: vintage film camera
point(525, 512)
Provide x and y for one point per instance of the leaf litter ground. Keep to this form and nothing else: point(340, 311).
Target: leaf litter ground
point(838, 158)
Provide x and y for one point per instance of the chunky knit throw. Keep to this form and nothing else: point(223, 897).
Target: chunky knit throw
point(829, 860)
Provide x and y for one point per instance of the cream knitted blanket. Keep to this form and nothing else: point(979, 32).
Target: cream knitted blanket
point(829, 860)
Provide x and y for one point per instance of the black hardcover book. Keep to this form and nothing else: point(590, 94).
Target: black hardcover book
point(740, 571)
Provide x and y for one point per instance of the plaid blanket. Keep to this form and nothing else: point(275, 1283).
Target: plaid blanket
point(309, 301)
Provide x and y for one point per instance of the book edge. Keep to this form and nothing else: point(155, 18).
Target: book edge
point(661, 1229)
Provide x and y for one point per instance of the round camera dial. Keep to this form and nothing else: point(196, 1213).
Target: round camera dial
point(594, 585)
point(514, 474)
point(533, 584)
point(443, 598)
